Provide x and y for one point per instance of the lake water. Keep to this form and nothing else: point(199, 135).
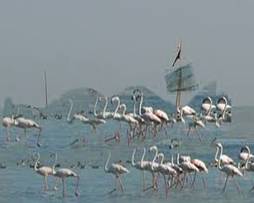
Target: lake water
point(20, 183)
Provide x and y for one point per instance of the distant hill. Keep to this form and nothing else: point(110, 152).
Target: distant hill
point(83, 99)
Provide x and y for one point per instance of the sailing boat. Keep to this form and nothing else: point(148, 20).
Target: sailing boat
point(180, 78)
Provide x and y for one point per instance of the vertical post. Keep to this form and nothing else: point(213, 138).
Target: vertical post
point(46, 89)
point(179, 89)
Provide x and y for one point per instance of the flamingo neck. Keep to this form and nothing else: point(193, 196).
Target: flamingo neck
point(70, 110)
point(172, 159)
point(106, 164)
point(95, 106)
point(124, 109)
point(105, 106)
point(77, 186)
point(177, 159)
point(143, 156)
point(216, 154)
point(36, 163)
point(162, 158)
point(117, 107)
point(155, 156)
point(248, 158)
point(132, 158)
point(54, 164)
point(140, 104)
point(219, 164)
point(134, 106)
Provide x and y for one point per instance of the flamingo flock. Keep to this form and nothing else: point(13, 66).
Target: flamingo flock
point(143, 122)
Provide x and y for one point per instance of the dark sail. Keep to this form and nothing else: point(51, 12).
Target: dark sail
point(180, 80)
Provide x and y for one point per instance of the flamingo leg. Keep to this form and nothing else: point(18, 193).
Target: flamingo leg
point(121, 184)
point(199, 136)
point(144, 184)
point(225, 185)
point(45, 183)
point(166, 186)
point(64, 187)
point(188, 133)
point(8, 134)
point(194, 179)
point(204, 182)
point(56, 183)
point(237, 186)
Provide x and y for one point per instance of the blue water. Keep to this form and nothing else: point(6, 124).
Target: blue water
point(19, 183)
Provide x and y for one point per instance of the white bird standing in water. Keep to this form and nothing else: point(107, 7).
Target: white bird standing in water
point(225, 159)
point(44, 170)
point(116, 169)
point(229, 170)
point(92, 122)
point(25, 123)
point(8, 122)
point(64, 173)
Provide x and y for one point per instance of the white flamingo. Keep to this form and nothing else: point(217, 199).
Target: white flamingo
point(224, 108)
point(44, 170)
point(116, 169)
point(201, 167)
point(166, 170)
point(104, 114)
point(8, 122)
point(92, 122)
point(63, 173)
point(25, 123)
point(229, 170)
point(225, 159)
point(152, 167)
point(140, 165)
point(245, 154)
point(187, 168)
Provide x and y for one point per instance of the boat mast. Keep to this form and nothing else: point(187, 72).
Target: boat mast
point(178, 93)
point(46, 89)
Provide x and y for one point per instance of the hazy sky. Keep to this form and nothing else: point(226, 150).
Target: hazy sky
point(111, 44)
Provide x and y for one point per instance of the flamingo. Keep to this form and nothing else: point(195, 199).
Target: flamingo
point(249, 166)
point(64, 173)
point(229, 170)
point(246, 155)
point(117, 169)
point(92, 122)
point(44, 170)
point(187, 167)
point(207, 105)
point(225, 159)
point(116, 115)
point(128, 118)
point(196, 122)
point(140, 165)
point(153, 166)
point(104, 114)
point(8, 122)
point(201, 167)
point(224, 108)
point(166, 169)
point(184, 111)
point(25, 123)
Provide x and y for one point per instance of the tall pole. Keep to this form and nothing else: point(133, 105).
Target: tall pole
point(46, 89)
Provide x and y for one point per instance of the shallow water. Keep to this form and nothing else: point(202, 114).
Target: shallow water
point(21, 183)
